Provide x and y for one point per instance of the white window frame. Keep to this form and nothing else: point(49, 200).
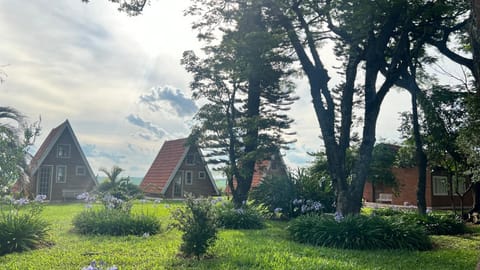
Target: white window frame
point(188, 180)
point(81, 173)
point(201, 175)
point(440, 186)
point(63, 154)
point(57, 174)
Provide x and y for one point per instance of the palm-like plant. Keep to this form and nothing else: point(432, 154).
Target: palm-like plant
point(113, 174)
point(13, 165)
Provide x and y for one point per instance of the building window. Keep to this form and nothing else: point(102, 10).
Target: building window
point(460, 185)
point(190, 160)
point(80, 171)
point(440, 185)
point(63, 151)
point(201, 175)
point(61, 174)
point(188, 178)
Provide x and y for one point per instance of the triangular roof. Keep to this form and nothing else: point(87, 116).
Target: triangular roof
point(166, 164)
point(50, 141)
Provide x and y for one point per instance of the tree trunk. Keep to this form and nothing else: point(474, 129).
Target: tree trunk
point(476, 197)
point(421, 157)
point(374, 198)
point(475, 41)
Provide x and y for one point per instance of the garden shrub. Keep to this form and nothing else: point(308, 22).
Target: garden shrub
point(123, 190)
point(198, 224)
point(115, 218)
point(275, 192)
point(115, 222)
point(246, 217)
point(358, 232)
point(21, 226)
point(437, 224)
point(299, 193)
point(434, 223)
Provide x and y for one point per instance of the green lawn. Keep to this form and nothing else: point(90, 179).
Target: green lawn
point(235, 249)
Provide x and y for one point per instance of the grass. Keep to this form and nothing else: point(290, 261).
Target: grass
point(269, 248)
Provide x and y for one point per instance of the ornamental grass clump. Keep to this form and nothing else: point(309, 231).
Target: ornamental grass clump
point(115, 218)
point(246, 217)
point(21, 226)
point(358, 232)
point(197, 222)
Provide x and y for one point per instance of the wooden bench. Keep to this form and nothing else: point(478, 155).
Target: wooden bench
point(385, 197)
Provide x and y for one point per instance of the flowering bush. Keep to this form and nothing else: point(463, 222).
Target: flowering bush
point(115, 218)
point(302, 207)
point(21, 226)
point(275, 192)
point(297, 194)
point(246, 217)
point(198, 224)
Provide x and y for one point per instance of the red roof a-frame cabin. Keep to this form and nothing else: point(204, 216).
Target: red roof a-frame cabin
point(60, 169)
point(274, 166)
point(177, 170)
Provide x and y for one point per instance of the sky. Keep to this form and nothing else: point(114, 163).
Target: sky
point(119, 82)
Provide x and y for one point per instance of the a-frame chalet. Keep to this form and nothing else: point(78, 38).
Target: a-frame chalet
point(177, 170)
point(60, 169)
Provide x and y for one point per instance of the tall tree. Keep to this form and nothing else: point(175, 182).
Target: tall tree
point(243, 78)
point(373, 35)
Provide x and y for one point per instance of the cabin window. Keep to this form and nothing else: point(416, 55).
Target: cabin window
point(460, 184)
point(63, 151)
point(440, 185)
point(188, 178)
point(201, 175)
point(61, 174)
point(80, 171)
point(190, 160)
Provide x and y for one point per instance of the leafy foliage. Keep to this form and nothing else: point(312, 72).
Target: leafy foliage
point(16, 136)
point(358, 232)
point(433, 223)
point(21, 226)
point(245, 217)
point(303, 191)
point(275, 192)
point(197, 222)
point(118, 188)
point(383, 158)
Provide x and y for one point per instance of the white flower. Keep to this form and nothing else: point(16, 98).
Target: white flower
point(40, 198)
point(338, 216)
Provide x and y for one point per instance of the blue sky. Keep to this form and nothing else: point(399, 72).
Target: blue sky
point(119, 81)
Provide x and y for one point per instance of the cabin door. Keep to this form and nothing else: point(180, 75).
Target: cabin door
point(178, 186)
point(44, 184)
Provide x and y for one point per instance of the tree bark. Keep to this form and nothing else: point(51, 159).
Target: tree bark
point(475, 42)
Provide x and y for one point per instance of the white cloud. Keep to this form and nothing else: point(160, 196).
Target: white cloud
point(91, 64)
